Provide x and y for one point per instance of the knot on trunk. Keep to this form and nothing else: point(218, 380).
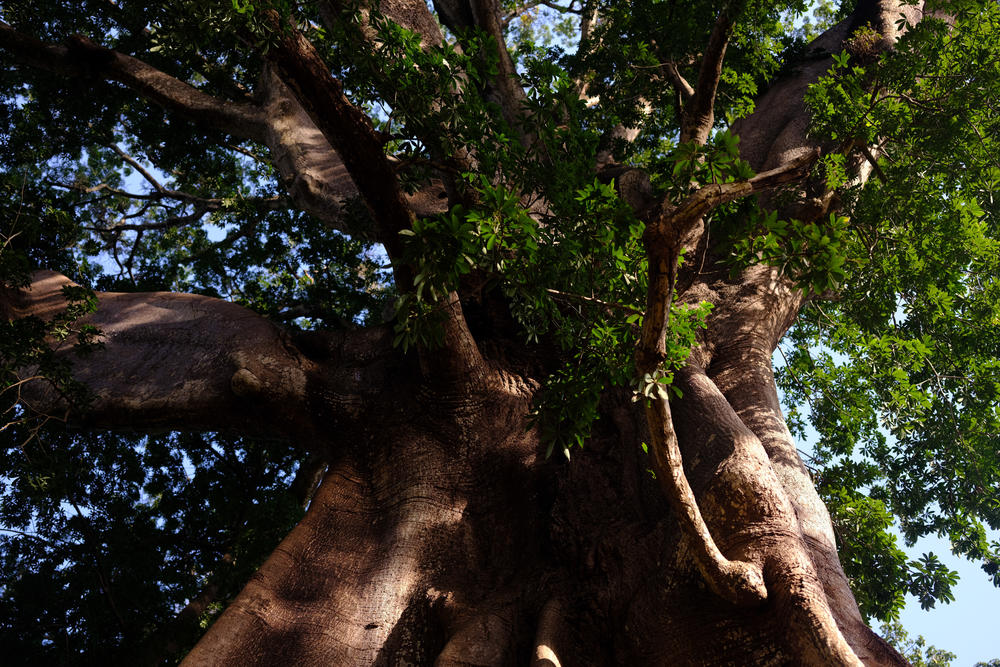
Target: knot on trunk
point(743, 583)
point(245, 384)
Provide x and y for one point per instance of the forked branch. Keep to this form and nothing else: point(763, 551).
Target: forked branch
point(736, 581)
point(349, 131)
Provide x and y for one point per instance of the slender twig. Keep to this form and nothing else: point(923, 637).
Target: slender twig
point(589, 299)
point(139, 168)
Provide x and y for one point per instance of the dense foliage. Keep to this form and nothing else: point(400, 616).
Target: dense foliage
point(105, 538)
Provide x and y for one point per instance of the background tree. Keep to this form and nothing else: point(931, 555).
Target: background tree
point(591, 250)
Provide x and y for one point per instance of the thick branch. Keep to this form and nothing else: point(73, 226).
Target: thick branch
point(313, 173)
point(777, 131)
point(699, 112)
point(178, 361)
point(82, 57)
point(663, 239)
point(351, 134)
point(505, 88)
point(725, 464)
point(410, 14)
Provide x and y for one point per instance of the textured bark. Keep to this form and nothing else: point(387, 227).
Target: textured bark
point(440, 534)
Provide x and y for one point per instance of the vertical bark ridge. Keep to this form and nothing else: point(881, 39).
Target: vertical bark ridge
point(751, 391)
point(263, 612)
point(367, 536)
point(752, 517)
point(409, 545)
point(551, 634)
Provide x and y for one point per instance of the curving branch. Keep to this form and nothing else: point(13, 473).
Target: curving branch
point(349, 130)
point(751, 391)
point(531, 4)
point(739, 582)
point(184, 362)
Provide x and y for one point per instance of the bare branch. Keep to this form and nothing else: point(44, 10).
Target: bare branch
point(167, 223)
point(567, 296)
point(139, 168)
point(679, 83)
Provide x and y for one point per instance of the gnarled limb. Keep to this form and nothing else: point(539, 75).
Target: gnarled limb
point(736, 581)
point(730, 466)
point(739, 582)
point(753, 395)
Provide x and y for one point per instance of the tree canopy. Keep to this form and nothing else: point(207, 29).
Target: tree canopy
point(519, 167)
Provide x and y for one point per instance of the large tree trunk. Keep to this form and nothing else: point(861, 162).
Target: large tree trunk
point(443, 536)
point(440, 533)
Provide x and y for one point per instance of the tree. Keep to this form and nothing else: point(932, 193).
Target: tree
point(594, 251)
point(916, 650)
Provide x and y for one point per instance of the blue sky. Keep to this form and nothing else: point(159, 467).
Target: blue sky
point(967, 627)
